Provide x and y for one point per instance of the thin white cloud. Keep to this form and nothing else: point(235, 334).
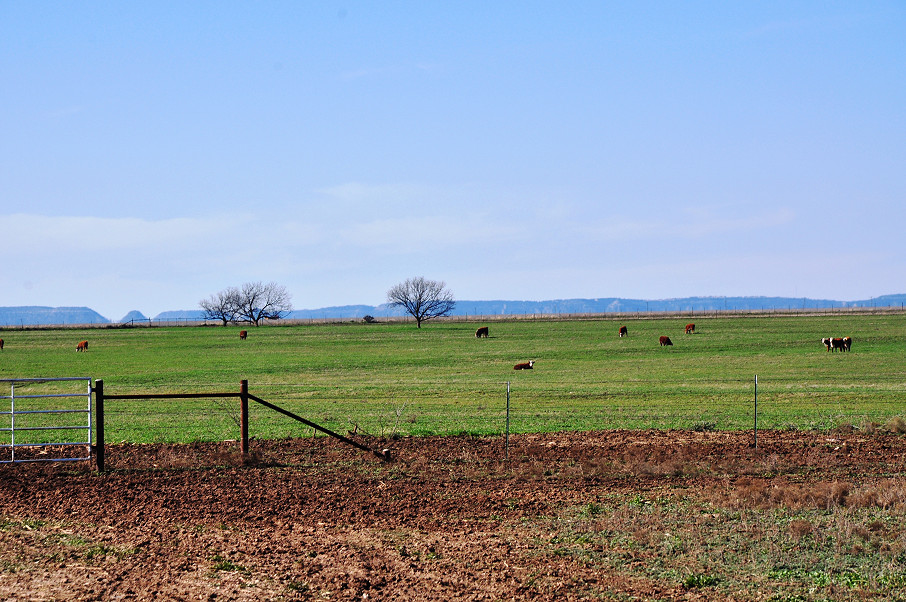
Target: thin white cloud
point(693, 224)
point(359, 192)
point(417, 234)
point(36, 233)
point(706, 224)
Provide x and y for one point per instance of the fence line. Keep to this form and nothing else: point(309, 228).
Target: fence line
point(499, 409)
point(690, 312)
point(661, 407)
point(243, 395)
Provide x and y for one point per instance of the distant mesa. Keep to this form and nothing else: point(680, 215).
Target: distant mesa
point(38, 315)
point(134, 316)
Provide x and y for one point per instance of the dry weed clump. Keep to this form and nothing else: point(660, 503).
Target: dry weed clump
point(896, 425)
point(766, 494)
point(658, 462)
point(887, 494)
point(799, 528)
point(696, 462)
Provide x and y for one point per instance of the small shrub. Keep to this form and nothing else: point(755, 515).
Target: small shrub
point(369, 319)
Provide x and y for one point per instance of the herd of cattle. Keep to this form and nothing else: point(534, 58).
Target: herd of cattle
point(832, 343)
point(664, 340)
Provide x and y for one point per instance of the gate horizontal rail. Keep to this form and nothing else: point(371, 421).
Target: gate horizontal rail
point(169, 395)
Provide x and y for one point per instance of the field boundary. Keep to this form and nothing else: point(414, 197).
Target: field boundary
point(471, 318)
point(243, 395)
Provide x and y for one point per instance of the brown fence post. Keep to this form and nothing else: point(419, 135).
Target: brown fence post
point(99, 424)
point(244, 416)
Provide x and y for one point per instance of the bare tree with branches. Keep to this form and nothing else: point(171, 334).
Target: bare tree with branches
point(422, 299)
point(223, 306)
point(258, 301)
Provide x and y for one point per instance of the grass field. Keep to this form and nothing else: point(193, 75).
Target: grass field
point(387, 379)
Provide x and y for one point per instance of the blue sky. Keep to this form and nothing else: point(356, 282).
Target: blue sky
point(154, 153)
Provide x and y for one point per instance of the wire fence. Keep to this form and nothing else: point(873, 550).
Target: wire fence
point(491, 409)
point(554, 314)
point(696, 405)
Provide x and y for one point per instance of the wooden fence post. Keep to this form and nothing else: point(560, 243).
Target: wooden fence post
point(99, 424)
point(244, 416)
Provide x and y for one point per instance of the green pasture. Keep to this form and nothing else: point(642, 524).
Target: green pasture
point(394, 379)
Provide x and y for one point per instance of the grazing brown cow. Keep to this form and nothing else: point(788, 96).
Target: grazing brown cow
point(243, 334)
point(482, 332)
point(837, 343)
point(624, 332)
point(82, 346)
point(526, 366)
point(664, 341)
point(826, 341)
point(690, 328)
point(847, 343)
point(1, 344)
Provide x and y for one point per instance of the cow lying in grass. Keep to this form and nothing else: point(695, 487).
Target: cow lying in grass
point(526, 366)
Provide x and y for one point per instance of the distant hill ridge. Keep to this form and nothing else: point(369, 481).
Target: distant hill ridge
point(37, 315)
point(42, 316)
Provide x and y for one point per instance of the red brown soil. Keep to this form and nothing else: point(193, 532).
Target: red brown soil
point(447, 519)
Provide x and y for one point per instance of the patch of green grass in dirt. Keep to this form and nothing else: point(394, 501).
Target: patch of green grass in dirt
point(54, 542)
point(220, 563)
point(853, 550)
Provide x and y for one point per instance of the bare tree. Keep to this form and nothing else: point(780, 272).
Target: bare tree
point(259, 301)
point(422, 299)
point(223, 306)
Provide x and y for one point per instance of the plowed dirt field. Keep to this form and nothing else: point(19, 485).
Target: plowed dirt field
point(447, 519)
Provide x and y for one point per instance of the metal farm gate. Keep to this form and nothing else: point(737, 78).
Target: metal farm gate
point(49, 420)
